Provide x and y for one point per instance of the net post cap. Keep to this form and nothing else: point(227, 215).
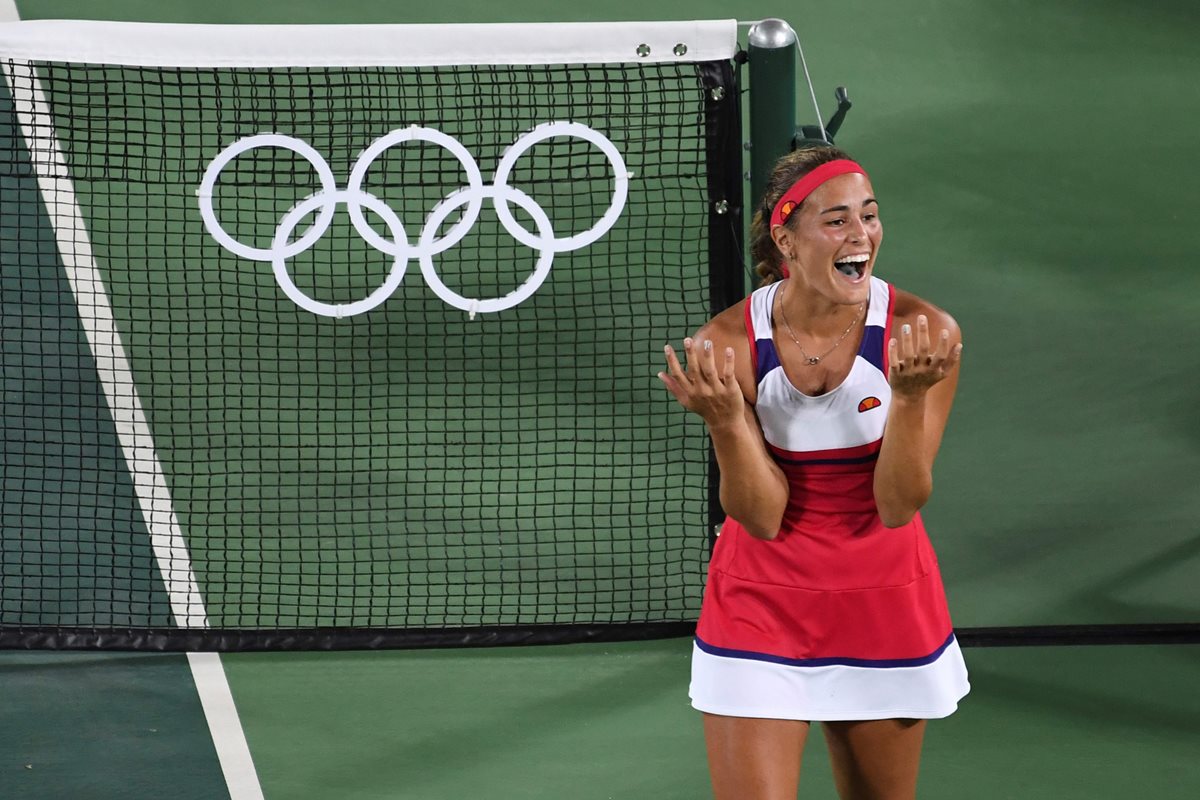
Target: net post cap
point(771, 34)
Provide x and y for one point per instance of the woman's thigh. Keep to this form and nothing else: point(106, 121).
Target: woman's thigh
point(754, 759)
point(876, 759)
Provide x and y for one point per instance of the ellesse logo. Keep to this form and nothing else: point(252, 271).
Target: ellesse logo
point(868, 403)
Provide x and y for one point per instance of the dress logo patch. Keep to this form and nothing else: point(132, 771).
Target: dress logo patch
point(868, 403)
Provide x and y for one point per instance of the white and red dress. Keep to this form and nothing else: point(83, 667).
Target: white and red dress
point(838, 617)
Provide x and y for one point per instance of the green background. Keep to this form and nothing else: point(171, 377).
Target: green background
point(1033, 165)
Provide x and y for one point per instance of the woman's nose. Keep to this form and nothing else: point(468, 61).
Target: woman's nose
point(858, 230)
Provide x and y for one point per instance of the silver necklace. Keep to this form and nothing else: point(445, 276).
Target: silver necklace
point(814, 360)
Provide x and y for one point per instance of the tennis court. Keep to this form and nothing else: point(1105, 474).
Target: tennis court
point(1015, 195)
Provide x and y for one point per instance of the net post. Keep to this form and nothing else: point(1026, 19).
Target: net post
point(727, 279)
point(772, 59)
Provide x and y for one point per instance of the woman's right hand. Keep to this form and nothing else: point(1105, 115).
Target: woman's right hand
point(705, 389)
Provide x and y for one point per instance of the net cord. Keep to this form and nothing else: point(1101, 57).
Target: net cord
point(466, 44)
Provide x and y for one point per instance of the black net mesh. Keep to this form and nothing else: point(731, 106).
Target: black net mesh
point(404, 468)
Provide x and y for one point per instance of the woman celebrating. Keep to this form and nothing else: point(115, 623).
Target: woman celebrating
point(826, 395)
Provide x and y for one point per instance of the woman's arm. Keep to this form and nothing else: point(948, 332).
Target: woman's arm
point(923, 377)
point(753, 490)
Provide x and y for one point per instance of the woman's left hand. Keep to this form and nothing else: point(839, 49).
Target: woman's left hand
point(914, 366)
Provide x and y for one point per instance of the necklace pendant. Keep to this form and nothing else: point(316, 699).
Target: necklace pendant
point(814, 360)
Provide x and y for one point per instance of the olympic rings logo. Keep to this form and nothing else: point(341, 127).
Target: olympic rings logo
point(326, 200)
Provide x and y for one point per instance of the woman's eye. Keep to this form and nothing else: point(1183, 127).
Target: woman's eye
point(836, 222)
point(870, 217)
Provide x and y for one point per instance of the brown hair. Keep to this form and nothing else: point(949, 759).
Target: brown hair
point(789, 169)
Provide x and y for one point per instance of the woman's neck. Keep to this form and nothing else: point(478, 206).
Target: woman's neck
point(812, 313)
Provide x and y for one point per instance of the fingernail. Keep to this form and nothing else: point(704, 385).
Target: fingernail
point(945, 334)
point(729, 352)
point(959, 348)
point(708, 344)
point(667, 349)
point(687, 344)
point(907, 329)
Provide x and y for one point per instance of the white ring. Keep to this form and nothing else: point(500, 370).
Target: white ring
point(549, 130)
point(377, 148)
point(518, 295)
point(306, 207)
point(300, 148)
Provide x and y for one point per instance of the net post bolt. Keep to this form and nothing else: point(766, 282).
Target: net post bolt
point(718, 93)
point(721, 206)
point(746, 175)
point(716, 530)
point(747, 145)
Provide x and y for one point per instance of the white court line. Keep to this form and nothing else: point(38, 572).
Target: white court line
point(133, 431)
point(225, 726)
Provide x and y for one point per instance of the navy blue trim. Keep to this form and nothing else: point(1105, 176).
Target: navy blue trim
point(768, 359)
point(872, 346)
point(817, 461)
point(875, 663)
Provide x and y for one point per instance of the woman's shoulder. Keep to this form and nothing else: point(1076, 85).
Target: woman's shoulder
point(906, 307)
point(727, 328)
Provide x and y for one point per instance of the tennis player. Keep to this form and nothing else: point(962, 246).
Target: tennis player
point(826, 393)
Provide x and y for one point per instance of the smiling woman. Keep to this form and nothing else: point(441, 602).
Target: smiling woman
point(824, 600)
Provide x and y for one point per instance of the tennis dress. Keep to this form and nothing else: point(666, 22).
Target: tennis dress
point(838, 617)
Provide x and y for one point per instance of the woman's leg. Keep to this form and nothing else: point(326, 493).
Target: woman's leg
point(876, 759)
point(754, 759)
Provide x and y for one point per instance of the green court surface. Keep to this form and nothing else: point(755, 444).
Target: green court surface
point(599, 722)
point(103, 725)
point(588, 722)
point(1032, 158)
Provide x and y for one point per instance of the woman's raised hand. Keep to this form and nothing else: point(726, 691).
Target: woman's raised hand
point(706, 389)
point(914, 366)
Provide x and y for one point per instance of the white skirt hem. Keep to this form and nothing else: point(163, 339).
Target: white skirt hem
point(856, 716)
point(748, 687)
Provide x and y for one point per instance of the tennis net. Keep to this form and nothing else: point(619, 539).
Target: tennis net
point(324, 337)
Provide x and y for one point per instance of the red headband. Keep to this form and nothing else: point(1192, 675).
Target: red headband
point(802, 188)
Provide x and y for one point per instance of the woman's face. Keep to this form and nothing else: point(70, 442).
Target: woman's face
point(830, 244)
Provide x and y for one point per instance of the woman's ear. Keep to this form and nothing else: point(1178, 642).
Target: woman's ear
point(783, 239)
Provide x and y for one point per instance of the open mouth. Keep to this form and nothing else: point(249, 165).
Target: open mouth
point(853, 267)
